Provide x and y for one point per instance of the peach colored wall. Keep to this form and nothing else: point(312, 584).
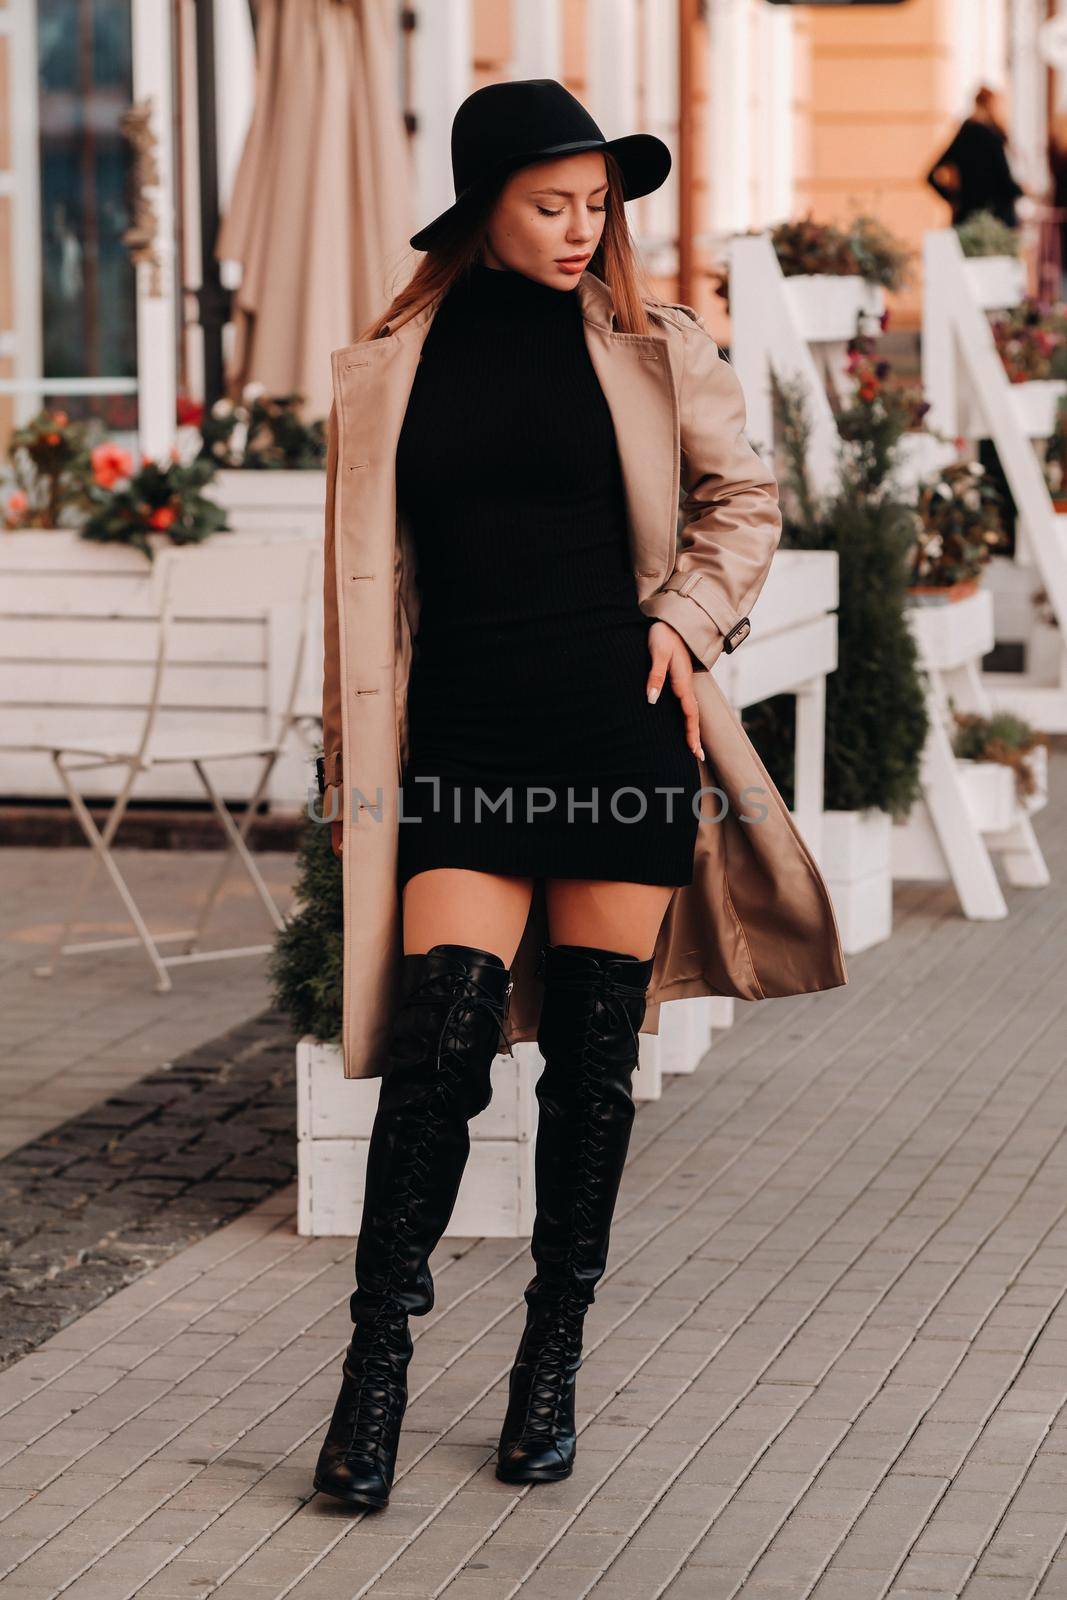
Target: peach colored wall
point(877, 108)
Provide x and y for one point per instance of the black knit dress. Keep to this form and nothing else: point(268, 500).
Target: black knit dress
point(533, 749)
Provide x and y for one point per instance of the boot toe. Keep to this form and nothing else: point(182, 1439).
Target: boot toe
point(358, 1480)
point(536, 1461)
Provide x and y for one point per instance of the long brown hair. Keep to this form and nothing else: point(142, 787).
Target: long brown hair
point(615, 260)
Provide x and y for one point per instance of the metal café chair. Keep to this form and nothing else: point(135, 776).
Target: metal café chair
point(272, 583)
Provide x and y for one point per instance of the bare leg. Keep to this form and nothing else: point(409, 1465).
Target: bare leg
point(613, 916)
point(455, 906)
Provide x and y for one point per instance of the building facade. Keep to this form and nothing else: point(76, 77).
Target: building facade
point(771, 110)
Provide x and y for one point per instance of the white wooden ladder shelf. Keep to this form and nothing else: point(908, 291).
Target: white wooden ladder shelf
point(969, 391)
point(948, 834)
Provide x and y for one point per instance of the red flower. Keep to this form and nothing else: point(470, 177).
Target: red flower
point(190, 412)
point(162, 517)
point(17, 503)
point(110, 463)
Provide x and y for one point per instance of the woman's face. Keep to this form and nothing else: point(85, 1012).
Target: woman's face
point(549, 217)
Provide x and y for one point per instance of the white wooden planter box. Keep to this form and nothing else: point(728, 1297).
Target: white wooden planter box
point(992, 798)
point(721, 1010)
point(682, 1042)
point(685, 1033)
point(826, 306)
point(77, 642)
point(648, 1074)
point(1044, 654)
point(998, 282)
point(1013, 585)
point(1035, 404)
point(497, 1198)
point(279, 503)
point(951, 634)
point(992, 792)
point(335, 1115)
point(858, 868)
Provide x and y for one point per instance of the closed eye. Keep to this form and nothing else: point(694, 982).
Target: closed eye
point(546, 213)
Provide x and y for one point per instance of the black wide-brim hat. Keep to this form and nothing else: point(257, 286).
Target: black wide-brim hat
point(504, 126)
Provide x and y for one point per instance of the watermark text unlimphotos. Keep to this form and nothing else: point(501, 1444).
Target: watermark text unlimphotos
point(526, 803)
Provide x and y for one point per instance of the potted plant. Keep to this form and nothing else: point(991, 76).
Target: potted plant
point(1032, 341)
point(263, 433)
point(992, 263)
point(836, 277)
point(1055, 460)
point(958, 525)
point(1003, 761)
point(66, 476)
point(272, 464)
point(161, 498)
point(335, 1114)
point(48, 472)
point(876, 720)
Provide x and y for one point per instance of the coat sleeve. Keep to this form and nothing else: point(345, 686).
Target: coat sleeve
point(332, 688)
point(731, 518)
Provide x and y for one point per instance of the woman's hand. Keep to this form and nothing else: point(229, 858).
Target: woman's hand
point(336, 834)
point(670, 657)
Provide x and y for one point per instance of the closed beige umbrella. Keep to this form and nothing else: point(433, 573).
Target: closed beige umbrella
point(321, 210)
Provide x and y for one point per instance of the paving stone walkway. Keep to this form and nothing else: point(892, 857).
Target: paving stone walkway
point(99, 1023)
point(828, 1360)
point(95, 1202)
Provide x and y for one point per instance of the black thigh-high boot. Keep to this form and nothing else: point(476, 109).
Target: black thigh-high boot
point(447, 1028)
point(593, 1006)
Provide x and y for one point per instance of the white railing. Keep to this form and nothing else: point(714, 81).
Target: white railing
point(766, 340)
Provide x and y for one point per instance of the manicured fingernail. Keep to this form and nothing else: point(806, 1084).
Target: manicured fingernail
point(702, 755)
point(653, 696)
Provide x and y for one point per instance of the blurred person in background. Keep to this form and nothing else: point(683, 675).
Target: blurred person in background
point(1057, 200)
point(974, 173)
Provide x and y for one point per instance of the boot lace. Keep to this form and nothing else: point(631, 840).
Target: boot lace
point(556, 1342)
point(613, 994)
point(375, 1393)
point(468, 994)
point(558, 1335)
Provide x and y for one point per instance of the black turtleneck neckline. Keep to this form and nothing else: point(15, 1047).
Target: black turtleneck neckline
point(502, 289)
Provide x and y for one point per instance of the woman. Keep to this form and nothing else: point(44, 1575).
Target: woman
point(973, 173)
point(1052, 250)
point(537, 657)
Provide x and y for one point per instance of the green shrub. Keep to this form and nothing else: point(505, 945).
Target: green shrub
point(1001, 737)
point(306, 966)
point(876, 720)
point(984, 234)
point(863, 248)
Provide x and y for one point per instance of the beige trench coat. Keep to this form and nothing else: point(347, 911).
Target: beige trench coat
point(756, 921)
